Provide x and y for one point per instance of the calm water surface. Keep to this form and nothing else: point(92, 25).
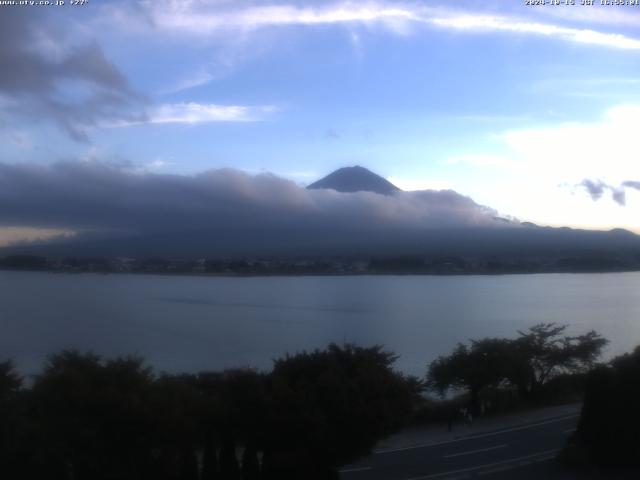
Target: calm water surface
point(181, 323)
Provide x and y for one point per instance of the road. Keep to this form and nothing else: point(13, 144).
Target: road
point(493, 455)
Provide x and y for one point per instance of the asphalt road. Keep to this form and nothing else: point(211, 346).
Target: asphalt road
point(520, 452)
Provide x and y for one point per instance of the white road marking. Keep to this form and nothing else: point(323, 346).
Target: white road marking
point(547, 453)
point(473, 437)
point(475, 451)
point(358, 469)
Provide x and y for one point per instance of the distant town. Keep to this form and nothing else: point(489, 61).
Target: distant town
point(391, 265)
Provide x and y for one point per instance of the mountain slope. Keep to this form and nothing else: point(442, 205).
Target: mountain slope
point(355, 179)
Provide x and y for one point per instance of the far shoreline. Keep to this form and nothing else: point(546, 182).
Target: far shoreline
point(316, 274)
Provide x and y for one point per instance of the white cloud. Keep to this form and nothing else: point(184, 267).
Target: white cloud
point(117, 197)
point(196, 113)
point(195, 18)
point(606, 149)
point(535, 174)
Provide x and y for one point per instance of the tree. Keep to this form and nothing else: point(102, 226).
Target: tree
point(330, 406)
point(234, 409)
point(527, 362)
point(608, 432)
point(229, 468)
point(92, 417)
point(250, 464)
point(210, 469)
point(10, 380)
point(175, 405)
point(471, 368)
point(543, 352)
point(10, 421)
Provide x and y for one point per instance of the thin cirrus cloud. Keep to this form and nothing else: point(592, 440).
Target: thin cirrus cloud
point(199, 20)
point(480, 23)
point(197, 80)
point(194, 18)
point(195, 113)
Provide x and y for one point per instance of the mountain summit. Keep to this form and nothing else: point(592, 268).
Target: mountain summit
point(355, 179)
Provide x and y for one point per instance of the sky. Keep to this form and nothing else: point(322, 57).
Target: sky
point(533, 111)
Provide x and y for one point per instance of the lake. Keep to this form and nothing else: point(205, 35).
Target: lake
point(182, 323)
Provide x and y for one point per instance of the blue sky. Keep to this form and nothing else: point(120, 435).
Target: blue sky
point(510, 104)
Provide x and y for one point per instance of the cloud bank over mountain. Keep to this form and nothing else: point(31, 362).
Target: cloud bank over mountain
point(118, 197)
point(119, 209)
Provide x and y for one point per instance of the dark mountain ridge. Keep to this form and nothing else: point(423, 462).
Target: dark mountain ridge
point(287, 242)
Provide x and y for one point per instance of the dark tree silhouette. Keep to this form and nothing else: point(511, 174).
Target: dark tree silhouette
point(608, 433)
point(330, 406)
point(234, 410)
point(87, 418)
point(250, 464)
point(10, 380)
point(528, 362)
point(190, 466)
point(10, 420)
point(175, 404)
point(91, 416)
point(472, 368)
point(210, 468)
point(229, 467)
point(543, 352)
